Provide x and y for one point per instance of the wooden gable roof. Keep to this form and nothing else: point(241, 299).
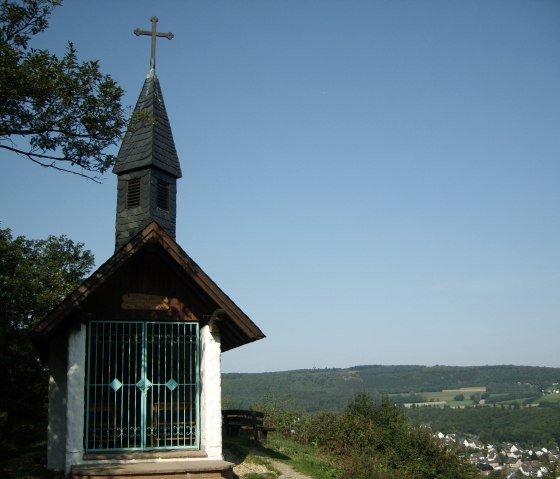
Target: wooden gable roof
point(151, 248)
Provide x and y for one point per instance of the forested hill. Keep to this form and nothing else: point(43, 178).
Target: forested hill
point(331, 389)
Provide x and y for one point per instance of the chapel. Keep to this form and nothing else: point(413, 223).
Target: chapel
point(134, 353)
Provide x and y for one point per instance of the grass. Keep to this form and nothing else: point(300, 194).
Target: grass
point(448, 395)
point(303, 458)
point(552, 399)
point(456, 404)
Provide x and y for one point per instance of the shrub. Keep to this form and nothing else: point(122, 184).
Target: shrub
point(278, 415)
point(372, 441)
point(377, 442)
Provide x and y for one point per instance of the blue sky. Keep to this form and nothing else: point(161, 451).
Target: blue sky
point(372, 182)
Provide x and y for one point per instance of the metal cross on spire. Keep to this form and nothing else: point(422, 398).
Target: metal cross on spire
point(153, 33)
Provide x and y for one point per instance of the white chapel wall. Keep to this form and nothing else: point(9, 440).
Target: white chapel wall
point(75, 374)
point(211, 392)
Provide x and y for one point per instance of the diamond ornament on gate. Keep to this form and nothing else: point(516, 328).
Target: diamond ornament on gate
point(115, 384)
point(171, 384)
point(144, 384)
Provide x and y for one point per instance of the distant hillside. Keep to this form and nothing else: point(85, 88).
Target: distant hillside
point(331, 389)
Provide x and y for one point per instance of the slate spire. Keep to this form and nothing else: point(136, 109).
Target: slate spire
point(149, 141)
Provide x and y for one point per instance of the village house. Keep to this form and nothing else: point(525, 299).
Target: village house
point(134, 352)
point(511, 459)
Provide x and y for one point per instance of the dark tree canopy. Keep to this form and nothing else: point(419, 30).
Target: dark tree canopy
point(56, 112)
point(35, 275)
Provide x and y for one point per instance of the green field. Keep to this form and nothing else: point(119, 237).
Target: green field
point(446, 397)
point(551, 400)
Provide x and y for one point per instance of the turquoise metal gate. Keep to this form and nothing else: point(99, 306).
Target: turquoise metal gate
point(142, 386)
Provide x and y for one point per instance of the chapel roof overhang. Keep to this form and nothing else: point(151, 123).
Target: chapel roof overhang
point(236, 328)
point(148, 142)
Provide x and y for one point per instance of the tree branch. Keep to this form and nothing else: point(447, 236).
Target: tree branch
point(34, 157)
point(95, 179)
point(52, 130)
point(65, 110)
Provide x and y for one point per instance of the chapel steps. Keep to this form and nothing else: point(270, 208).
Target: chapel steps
point(176, 469)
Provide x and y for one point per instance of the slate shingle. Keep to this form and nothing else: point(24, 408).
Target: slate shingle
point(149, 145)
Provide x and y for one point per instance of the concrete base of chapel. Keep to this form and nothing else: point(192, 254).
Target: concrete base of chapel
point(181, 469)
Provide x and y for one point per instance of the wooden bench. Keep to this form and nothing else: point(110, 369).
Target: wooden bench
point(235, 419)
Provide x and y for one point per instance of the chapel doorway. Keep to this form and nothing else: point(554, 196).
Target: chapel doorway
point(142, 386)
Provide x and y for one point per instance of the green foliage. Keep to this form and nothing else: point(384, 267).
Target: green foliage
point(553, 471)
point(530, 427)
point(550, 401)
point(475, 398)
point(278, 414)
point(306, 390)
point(35, 275)
point(304, 457)
point(57, 112)
point(285, 420)
point(314, 390)
point(407, 398)
point(377, 441)
point(311, 391)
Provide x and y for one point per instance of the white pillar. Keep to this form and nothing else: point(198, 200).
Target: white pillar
point(211, 392)
point(75, 378)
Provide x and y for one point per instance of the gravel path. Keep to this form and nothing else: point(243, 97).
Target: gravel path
point(242, 468)
point(286, 472)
